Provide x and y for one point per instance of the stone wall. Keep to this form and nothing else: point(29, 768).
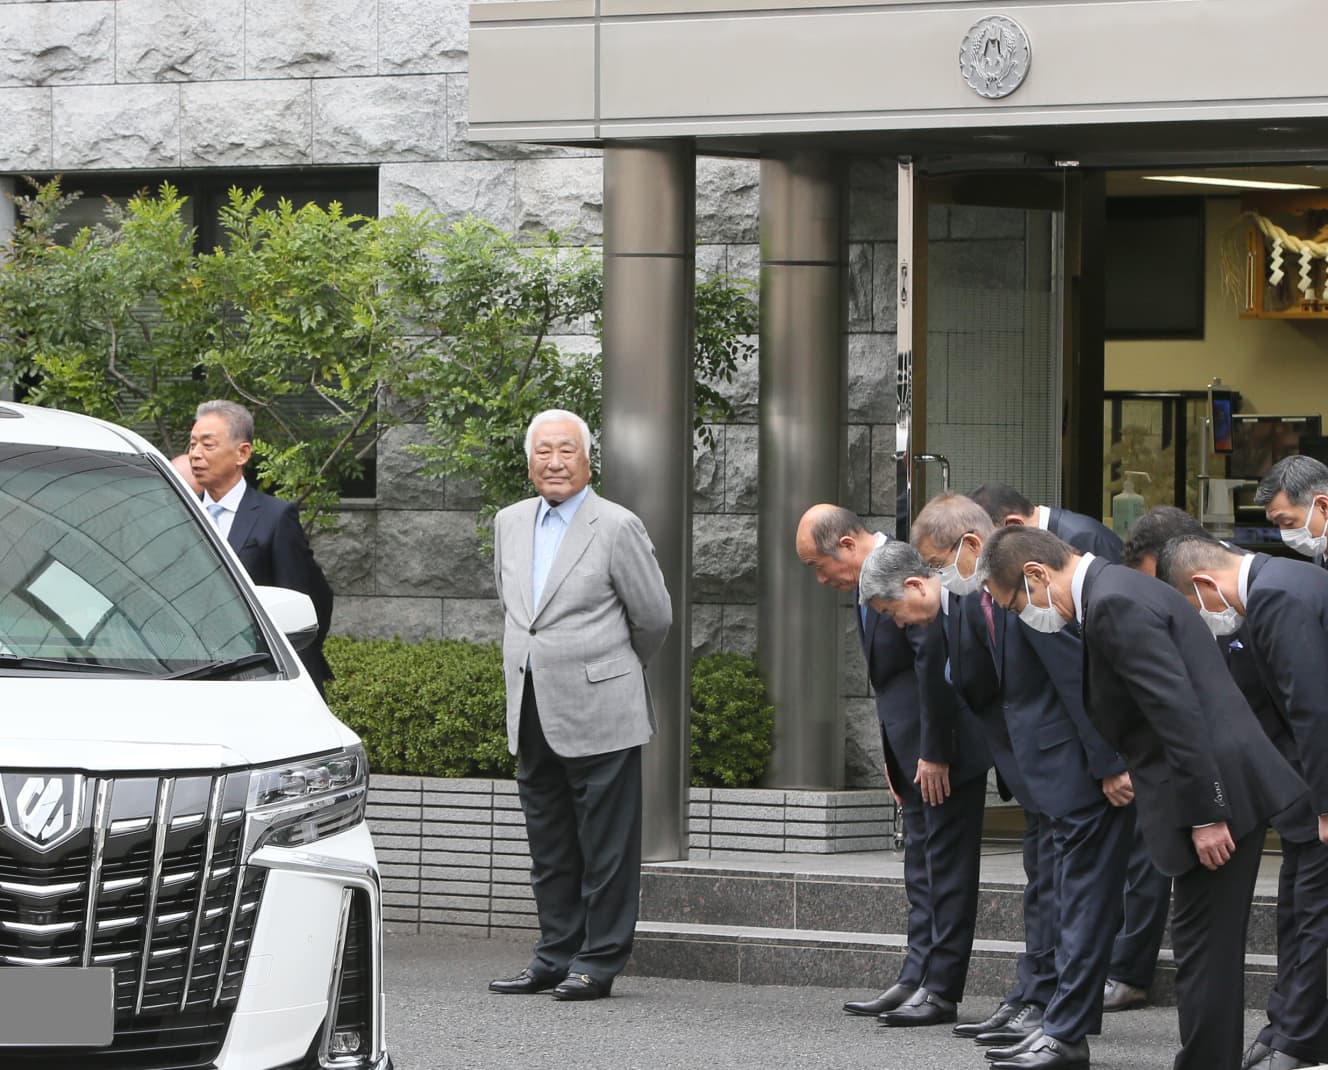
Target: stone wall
point(125, 85)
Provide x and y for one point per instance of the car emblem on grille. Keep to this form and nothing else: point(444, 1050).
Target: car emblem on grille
point(42, 811)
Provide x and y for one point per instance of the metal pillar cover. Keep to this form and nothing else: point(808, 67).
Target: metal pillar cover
point(801, 436)
point(8, 220)
point(649, 288)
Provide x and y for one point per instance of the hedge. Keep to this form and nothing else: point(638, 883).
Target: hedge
point(438, 708)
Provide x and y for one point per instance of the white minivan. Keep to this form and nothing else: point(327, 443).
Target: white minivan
point(186, 877)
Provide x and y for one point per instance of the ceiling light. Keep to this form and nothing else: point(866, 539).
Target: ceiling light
point(1236, 183)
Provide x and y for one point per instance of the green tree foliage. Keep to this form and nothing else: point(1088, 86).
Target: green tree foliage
point(332, 327)
point(732, 722)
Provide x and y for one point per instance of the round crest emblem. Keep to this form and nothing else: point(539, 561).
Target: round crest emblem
point(995, 56)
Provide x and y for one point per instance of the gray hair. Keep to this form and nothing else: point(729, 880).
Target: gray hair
point(1010, 549)
point(551, 415)
point(239, 420)
point(886, 568)
point(947, 518)
point(833, 524)
point(1299, 477)
point(1182, 557)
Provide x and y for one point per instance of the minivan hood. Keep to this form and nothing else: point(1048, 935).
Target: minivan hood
point(94, 723)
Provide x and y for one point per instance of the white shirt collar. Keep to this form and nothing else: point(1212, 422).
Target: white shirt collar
point(1077, 586)
point(1043, 517)
point(1243, 582)
point(945, 602)
point(881, 539)
point(230, 501)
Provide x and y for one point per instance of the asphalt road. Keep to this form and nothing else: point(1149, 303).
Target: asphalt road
point(440, 1017)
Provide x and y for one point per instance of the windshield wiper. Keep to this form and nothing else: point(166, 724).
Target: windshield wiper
point(224, 667)
point(9, 660)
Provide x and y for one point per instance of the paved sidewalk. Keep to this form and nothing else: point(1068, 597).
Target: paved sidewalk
point(440, 1017)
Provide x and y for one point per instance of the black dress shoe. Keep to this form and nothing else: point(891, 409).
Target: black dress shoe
point(892, 997)
point(1255, 1054)
point(1026, 1022)
point(526, 983)
point(999, 1017)
point(925, 1008)
point(1280, 1060)
point(1048, 1053)
point(1014, 1049)
point(579, 986)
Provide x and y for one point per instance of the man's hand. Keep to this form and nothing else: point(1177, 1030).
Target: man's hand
point(1118, 789)
point(1213, 844)
point(1323, 828)
point(933, 780)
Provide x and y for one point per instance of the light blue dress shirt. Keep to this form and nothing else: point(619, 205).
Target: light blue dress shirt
point(551, 524)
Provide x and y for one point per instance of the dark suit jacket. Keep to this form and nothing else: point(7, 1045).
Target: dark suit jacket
point(1028, 688)
point(1086, 534)
point(267, 537)
point(906, 667)
point(1158, 691)
point(1286, 624)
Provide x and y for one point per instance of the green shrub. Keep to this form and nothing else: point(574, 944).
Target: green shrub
point(433, 708)
point(732, 722)
point(438, 708)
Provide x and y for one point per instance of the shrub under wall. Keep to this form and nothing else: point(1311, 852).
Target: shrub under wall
point(438, 708)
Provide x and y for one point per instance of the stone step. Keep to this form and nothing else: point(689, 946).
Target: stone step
point(862, 893)
point(866, 961)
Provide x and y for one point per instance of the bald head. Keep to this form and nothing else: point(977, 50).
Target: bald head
point(834, 542)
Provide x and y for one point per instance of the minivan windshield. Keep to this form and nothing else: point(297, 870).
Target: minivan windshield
point(105, 568)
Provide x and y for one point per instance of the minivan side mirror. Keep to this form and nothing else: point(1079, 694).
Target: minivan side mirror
point(292, 613)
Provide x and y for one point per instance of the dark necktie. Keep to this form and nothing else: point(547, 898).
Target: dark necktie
point(990, 614)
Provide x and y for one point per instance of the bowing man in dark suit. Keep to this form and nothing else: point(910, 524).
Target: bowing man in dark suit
point(1206, 777)
point(1294, 496)
point(952, 775)
point(265, 532)
point(1026, 688)
point(1006, 507)
point(834, 542)
point(1279, 608)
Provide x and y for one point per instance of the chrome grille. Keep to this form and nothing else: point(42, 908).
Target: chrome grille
point(153, 884)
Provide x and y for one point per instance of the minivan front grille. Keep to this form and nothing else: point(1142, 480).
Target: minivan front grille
point(154, 885)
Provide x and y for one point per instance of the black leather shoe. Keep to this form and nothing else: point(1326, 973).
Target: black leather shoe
point(526, 983)
point(999, 1017)
point(1255, 1054)
point(1014, 1049)
point(1280, 1060)
point(579, 986)
point(925, 1008)
point(1121, 996)
point(1048, 1053)
point(892, 997)
point(1026, 1022)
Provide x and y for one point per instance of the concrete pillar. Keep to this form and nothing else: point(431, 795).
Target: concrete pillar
point(649, 290)
point(802, 404)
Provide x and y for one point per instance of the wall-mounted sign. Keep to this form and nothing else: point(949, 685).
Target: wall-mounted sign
point(995, 56)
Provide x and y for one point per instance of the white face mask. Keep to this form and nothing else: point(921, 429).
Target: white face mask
point(1222, 622)
point(1300, 539)
point(952, 581)
point(1041, 618)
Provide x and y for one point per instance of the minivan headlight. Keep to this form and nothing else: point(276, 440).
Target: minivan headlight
point(301, 802)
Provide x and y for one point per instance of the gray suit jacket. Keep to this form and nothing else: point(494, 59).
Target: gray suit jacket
point(603, 613)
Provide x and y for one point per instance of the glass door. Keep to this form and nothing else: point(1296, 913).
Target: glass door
point(991, 329)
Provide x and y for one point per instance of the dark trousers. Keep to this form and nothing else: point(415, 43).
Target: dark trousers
point(1092, 847)
point(1298, 1003)
point(583, 820)
point(917, 889)
point(1035, 969)
point(1210, 913)
point(954, 851)
point(1147, 900)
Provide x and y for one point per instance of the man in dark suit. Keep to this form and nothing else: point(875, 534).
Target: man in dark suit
point(942, 831)
point(1294, 496)
point(1146, 892)
point(1026, 688)
point(584, 609)
point(1206, 777)
point(265, 532)
point(1280, 609)
point(952, 773)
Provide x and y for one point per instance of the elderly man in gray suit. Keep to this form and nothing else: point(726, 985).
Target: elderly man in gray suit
point(586, 608)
